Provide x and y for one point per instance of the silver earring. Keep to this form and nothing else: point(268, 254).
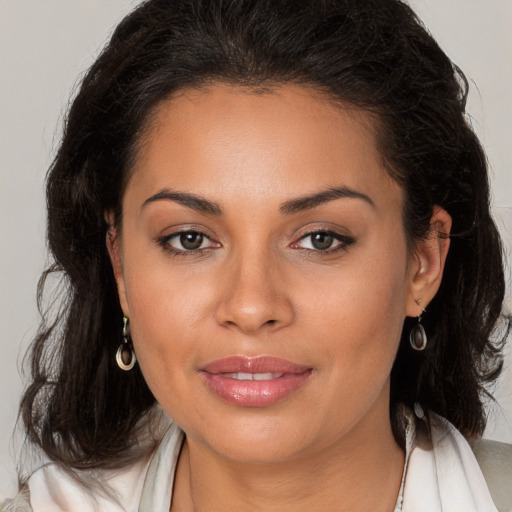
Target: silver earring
point(125, 356)
point(418, 336)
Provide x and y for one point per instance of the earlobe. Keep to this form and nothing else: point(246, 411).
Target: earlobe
point(114, 251)
point(427, 263)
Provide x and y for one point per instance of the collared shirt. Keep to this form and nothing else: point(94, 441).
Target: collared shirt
point(441, 474)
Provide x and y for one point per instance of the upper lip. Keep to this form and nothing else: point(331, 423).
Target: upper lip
point(260, 364)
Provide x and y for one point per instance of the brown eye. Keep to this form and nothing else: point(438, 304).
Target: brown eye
point(191, 241)
point(322, 241)
point(187, 242)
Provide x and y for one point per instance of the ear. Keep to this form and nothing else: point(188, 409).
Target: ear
point(426, 264)
point(114, 251)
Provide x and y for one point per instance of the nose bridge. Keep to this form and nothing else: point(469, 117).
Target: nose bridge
point(254, 295)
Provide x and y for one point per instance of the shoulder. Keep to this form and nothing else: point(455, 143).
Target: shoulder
point(492, 459)
point(443, 466)
point(58, 489)
point(495, 461)
point(19, 504)
point(54, 488)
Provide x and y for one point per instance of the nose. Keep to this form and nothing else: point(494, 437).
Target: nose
point(254, 296)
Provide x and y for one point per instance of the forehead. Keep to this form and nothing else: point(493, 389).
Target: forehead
point(228, 141)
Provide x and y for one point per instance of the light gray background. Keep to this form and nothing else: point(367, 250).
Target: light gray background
point(46, 44)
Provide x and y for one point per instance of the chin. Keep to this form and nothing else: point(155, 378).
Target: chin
point(257, 436)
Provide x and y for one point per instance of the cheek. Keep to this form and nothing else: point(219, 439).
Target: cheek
point(167, 309)
point(356, 318)
point(358, 312)
point(367, 294)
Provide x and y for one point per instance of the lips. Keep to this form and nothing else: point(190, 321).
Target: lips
point(253, 376)
point(254, 381)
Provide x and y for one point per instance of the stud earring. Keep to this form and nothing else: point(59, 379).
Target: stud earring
point(125, 355)
point(418, 336)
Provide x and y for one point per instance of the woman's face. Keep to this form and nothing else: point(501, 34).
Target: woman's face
point(264, 268)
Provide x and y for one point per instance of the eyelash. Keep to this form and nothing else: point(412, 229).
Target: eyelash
point(164, 242)
point(344, 240)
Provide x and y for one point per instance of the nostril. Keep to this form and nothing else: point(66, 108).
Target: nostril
point(251, 327)
point(242, 308)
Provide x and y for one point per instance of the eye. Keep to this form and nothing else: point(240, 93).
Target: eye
point(187, 241)
point(323, 241)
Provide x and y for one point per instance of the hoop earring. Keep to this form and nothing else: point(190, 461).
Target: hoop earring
point(125, 355)
point(418, 336)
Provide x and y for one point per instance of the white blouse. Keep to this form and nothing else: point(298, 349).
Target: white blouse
point(441, 474)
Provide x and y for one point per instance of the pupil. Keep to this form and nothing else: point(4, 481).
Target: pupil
point(322, 241)
point(191, 241)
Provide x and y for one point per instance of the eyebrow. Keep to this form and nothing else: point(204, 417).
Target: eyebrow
point(308, 202)
point(290, 207)
point(192, 201)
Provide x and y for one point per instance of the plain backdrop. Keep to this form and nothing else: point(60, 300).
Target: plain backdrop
point(45, 45)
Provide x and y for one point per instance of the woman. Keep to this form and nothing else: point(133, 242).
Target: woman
point(273, 222)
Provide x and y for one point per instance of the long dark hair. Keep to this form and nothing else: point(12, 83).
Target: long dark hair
point(80, 408)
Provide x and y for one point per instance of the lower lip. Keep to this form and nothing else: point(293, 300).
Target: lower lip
point(255, 393)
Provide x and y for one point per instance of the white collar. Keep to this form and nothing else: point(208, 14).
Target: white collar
point(441, 473)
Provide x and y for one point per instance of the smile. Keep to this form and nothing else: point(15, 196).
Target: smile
point(252, 376)
point(254, 382)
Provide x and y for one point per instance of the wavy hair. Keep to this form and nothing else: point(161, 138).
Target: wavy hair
point(80, 408)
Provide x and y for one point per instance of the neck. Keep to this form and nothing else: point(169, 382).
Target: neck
point(362, 471)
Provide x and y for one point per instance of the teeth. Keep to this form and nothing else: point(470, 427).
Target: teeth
point(252, 376)
point(266, 376)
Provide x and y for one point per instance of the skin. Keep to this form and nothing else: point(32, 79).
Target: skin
point(259, 287)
